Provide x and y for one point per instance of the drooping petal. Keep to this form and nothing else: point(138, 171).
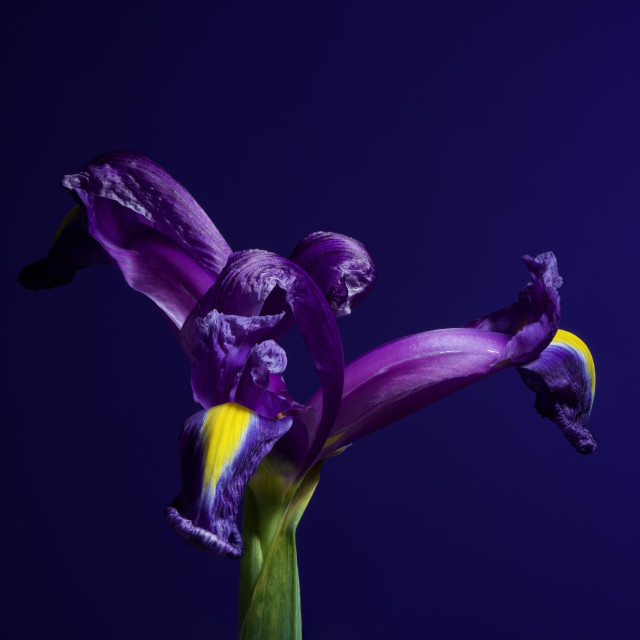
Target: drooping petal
point(534, 318)
point(219, 451)
point(339, 265)
point(398, 378)
point(151, 228)
point(218, 345)
point(72, 249)
point(255, 282)
point(564, 379)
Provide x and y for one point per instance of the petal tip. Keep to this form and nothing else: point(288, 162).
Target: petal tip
point(561, 381)
point(201, 538)
point(36, 276)
point(73, 181)
point(534, 318)
point(340, 265)
point(587, 448)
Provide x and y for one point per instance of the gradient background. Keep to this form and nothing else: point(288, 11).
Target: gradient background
point(450, 138)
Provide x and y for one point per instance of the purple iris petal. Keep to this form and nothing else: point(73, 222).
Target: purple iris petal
point(252, 278)
point(339, 265)
point(72, 249)
point(398, 378)
point(218, 345)
point(534, 318)
point(219, 451)
point(563, 379)
point(152, 228)
point(258, 388)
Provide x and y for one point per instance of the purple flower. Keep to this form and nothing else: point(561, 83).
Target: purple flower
point(228, 311)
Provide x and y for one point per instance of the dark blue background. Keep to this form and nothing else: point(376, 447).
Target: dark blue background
point(450, 138)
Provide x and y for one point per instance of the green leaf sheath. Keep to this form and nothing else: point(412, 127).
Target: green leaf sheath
point(252, 558)
point(269, 605)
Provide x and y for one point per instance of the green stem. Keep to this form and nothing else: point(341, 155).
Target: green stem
point(269, 604)
point(252, 557)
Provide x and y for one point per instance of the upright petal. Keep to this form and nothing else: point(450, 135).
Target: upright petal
point(564, 379)
point(219, 451)
point(148, 225)
point(339, 265)
point(535, 316)
point(255, 282)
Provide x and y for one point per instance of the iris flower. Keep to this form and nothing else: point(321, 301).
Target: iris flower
point(228, 311)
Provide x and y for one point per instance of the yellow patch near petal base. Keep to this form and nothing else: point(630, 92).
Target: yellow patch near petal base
point(223, 433)
point(333, 439)
point(566, 338)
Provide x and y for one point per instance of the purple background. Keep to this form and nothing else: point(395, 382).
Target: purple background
point(450, 138)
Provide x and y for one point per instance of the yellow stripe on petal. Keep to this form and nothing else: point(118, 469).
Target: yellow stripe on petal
point(568, 339)
point(223, 434)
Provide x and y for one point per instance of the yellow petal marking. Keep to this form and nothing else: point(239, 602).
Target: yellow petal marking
point(223, 433)
point(570, 340)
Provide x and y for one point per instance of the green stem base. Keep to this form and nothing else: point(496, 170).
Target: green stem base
point(269, 599)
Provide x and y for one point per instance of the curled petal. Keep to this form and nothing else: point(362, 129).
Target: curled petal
point(72, 249)
point(398, 378)
point(218, 345)
point(261, 386)
point(564, 380)
point(534, 318)
point(219, 451)
point(255, 282)
point(151, 228)
point(339, 265)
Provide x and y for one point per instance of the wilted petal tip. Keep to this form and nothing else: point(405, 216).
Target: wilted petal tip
point(340, 265)
point(73, 181)
point(200, 538)
point(563, 378)
point(534, 318)
point(545, 266)
point(36, 276)
point(548, 406)
point(72, 249)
